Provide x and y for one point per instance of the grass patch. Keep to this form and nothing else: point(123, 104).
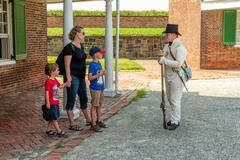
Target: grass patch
point(140, 94)
point(102, 13)
point(124, 64)
point(52, 59)
point(123, 31)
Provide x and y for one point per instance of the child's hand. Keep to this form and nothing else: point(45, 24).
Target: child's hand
point(60, 107)
point(102, 72)
point(63, 85)
point(48, 106)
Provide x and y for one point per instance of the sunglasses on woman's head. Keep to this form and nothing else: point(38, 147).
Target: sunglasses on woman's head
point(83, 33)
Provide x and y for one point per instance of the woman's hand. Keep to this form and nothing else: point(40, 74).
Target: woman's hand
point(68, 83)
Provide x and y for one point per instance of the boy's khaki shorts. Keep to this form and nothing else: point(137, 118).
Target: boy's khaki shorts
point(97, 97)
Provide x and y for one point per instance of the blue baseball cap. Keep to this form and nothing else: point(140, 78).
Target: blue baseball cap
point(96, 49)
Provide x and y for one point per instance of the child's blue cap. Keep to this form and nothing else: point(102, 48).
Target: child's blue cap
point(96, 49)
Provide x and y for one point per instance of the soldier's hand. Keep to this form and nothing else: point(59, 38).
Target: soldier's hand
point(161, 53)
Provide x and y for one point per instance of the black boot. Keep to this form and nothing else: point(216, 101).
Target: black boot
point(169, 123)
point(173, 126)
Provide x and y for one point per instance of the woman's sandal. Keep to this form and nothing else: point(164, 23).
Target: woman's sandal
point(75, 128)
point(50, 133)
point(88, 123)
point(61, 134)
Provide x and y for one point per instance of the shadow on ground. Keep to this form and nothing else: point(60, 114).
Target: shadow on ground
point(209, 131)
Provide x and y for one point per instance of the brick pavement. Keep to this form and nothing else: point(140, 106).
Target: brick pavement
point(22, 129)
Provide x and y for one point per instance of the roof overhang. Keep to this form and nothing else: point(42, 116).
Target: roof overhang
point(220, 4)
point(61, 1)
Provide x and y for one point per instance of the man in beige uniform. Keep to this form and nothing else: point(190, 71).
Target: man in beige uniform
point(174, 85)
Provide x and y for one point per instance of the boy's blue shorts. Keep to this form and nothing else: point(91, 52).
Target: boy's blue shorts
point(51, 114)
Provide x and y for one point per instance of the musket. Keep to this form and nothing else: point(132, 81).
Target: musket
point(163, 104)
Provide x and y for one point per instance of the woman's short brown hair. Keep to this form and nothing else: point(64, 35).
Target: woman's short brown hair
point(49, 68)
point(74, 31)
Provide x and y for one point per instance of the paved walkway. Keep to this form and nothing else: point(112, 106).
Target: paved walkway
point(22, 129)
point(209, 129)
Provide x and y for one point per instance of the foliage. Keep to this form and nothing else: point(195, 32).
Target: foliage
point(102, 13)
point(123, 31)
point(140, 94)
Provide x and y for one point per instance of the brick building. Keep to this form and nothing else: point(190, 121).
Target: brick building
point(220, 35)
point(211, 31)
point(23, 49)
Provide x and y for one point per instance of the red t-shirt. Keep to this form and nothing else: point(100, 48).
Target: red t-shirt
point(51, 85)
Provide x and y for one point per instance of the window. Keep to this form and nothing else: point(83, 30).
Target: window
point(238, 28)
point(231, 27)
point(3, 17)
point(6, 49)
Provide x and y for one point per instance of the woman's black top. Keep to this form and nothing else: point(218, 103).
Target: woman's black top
point(78, 62)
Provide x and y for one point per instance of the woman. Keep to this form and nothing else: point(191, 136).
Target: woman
point(173, 58)
point(75, 70)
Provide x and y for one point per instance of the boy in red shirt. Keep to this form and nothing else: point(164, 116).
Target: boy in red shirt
point(52, 99)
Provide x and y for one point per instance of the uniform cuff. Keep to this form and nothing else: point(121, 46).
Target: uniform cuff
point(162, 60)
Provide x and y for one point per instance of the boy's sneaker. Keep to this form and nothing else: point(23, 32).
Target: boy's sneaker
point(62, 134)
point(50, 133)
point(101, 124)
point(96, 128)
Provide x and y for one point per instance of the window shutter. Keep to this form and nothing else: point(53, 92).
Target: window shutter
point(19, 29)
point(229, 27)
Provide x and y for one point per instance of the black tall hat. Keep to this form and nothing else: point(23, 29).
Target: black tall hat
point(172, 28)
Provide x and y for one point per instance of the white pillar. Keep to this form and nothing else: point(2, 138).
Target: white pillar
point(68, 20)
point(117, 43)
point(109, 91)
point(67, 26)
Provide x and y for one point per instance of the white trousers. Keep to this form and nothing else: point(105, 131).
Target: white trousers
point(174, 91)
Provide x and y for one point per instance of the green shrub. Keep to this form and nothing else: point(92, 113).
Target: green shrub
point(102, 13)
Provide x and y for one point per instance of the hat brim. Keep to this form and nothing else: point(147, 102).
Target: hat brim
point(172, 32)
point(102, 51)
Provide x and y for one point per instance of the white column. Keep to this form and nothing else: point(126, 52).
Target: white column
point(109, 91)
point(117, 44)
point(68, 20)
point(67, 26)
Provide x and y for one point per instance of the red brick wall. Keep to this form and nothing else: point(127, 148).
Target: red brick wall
point(28, 73)
point(214, 55)
point(99, 21)
point(187, 14)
